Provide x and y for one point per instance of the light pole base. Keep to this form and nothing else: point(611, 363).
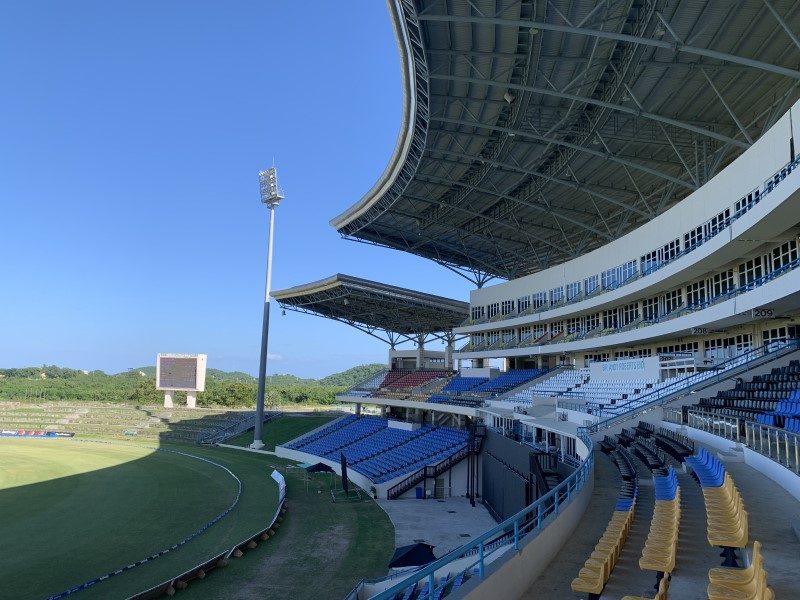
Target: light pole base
point(257, 445)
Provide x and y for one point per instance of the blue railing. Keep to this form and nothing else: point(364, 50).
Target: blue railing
point(530, 519)
point(722, 371)
point(714, 228)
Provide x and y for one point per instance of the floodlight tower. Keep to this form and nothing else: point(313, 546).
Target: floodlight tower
point(271, 195)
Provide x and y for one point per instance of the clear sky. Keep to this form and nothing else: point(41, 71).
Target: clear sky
point(131, 135)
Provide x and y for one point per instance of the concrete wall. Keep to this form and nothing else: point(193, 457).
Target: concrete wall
point(514, 573)
point(780, 293)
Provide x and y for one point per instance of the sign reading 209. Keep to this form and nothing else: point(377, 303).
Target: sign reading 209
point(763, 313)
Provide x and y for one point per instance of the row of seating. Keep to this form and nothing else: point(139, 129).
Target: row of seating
point(320, 433)
point(381, 440)
point(469, 401)
point(596, 570)
point(463, 384)
point(772, 399)
point(661, 546)
point(725, 510)
point(725, 583)
point(509, 380)
point(431, 447)
point(339, 435)
point(554, 386)
point(378, 451)
point(401, 378)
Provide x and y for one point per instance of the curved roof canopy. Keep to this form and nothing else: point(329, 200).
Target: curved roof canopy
point(536, 131)
point(375, 307)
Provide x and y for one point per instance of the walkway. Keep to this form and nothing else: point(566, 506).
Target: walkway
point(446, 524)
point(554, 582)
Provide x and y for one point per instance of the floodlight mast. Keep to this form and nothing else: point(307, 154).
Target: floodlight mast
point(271, 195)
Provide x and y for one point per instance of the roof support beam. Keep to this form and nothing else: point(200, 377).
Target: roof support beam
point(609, 105)
point(560, 142)
point(783, 23)
point(578, 186)
point(521, 202)
point(727, 107)
point(622, 37)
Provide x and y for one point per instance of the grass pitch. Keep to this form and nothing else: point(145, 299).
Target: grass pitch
point(71, 511)
point(322, 549)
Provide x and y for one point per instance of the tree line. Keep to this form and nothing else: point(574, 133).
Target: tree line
point(139, 387)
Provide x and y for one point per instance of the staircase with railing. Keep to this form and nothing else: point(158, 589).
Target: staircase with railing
point(433, 471)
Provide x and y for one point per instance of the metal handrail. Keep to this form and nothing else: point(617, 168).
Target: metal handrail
point(529, 520)
point(775, 443)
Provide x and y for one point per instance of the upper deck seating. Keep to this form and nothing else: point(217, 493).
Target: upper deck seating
point(772, 399)
point(509, 380)
point(556, 385)
point(463, 384)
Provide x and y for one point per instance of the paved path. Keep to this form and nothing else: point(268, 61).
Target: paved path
point(446, 524)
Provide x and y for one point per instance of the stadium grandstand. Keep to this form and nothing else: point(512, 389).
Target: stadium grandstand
point(624, 400)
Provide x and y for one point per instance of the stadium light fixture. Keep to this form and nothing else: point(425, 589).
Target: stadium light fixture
point(271, 195)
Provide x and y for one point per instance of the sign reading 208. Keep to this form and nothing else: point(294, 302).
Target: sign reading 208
point(762, 313)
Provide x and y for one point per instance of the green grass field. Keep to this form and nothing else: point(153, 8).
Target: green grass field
point(283, 429)
point(78, 510)
point(322, 549)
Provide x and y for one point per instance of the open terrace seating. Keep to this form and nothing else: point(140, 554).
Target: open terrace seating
point(338, 435)
point(430, 447)
point(381, 452)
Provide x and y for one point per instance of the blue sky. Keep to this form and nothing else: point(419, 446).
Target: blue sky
point(131, 135)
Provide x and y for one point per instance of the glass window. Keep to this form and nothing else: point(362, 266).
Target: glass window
point(590, 284)
point(750, 271)
point(573, 290)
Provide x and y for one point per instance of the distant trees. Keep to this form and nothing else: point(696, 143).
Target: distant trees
point(234, 390)
point(353, 376)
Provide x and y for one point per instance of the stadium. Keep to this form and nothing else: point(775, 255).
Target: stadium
point(614, 411)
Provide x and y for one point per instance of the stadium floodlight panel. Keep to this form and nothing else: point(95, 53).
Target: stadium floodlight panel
point(271, 193)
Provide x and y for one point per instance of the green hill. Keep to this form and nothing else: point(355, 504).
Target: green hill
point(137, 386)
point(352, 376)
